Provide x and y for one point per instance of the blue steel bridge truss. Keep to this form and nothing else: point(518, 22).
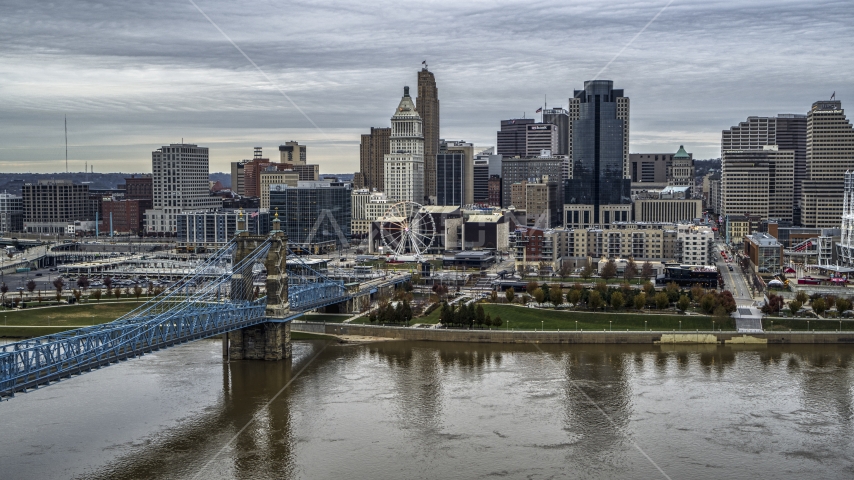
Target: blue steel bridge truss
point(196, 307)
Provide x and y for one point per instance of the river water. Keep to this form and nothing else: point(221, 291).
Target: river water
point(396, 410)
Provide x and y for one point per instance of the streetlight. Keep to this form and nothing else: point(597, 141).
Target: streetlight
point(680, 325)
point(576, 325)
point(542, 325)
point(644, 325)
point(610, 324)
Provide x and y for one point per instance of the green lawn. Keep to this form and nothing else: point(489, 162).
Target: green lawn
point(33, 322)
point(784, 325)
point(521, 318)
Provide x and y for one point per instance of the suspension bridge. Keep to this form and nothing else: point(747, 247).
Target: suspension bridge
point(218, 297)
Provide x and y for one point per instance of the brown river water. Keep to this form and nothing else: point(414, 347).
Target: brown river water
point(394, 410)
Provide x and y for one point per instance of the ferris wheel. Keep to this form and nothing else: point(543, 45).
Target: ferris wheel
point(406, 229)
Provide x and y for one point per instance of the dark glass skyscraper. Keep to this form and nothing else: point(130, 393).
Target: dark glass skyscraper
point(598, 176)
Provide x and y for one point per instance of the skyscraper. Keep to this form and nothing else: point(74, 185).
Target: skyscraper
point(372, 152)
point(404, 165)
point(522, 137)
point(758, 182)
point(830, 153)
point(427, 104)
point(787, 131)
point(292, 152)
point(599, 186)
point(455, 173)
point(560, 119)
point(181, 183)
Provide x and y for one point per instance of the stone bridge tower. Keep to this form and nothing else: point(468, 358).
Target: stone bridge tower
point(270, 340)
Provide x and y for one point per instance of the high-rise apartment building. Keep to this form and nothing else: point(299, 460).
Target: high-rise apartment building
point(830, 153)
point(49, 206)
point(372, 151)
point(599, 185)
point(404, 165)
point(522, 137)
point(518, 170)
point(758, 183)
point(427, 104)
point(786, 131)
point(180, 176)
point(292, 152)
point(559, 117)
point(11, 213)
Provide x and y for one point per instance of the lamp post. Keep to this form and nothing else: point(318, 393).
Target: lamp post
point(610, 325)
point(576, 325)
point(644, 325)
point(680, 325)
point(542, 325)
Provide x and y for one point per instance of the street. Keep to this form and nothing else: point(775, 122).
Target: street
point(733, 281)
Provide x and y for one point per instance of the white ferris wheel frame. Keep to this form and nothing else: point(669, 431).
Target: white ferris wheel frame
point(412, 235)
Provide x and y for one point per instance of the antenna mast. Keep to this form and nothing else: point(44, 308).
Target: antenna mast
point(66, 144)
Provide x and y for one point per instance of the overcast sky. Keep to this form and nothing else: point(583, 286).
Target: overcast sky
point(132, 76)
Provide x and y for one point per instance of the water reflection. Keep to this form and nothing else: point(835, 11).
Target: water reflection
point(452, 410)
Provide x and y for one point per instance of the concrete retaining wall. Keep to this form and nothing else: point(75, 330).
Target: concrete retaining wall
point(499, 336)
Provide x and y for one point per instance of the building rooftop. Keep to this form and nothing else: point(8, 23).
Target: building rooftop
point(485, 218)
point(763, 240)
point(681, 153)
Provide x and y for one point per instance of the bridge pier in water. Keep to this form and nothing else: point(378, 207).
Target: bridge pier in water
point(270, 340)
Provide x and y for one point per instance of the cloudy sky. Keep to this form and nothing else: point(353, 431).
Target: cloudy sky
point(134, 75)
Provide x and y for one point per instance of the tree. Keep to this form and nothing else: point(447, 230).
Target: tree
point(565, 269)
point(4, 289)
point(794, 306)
point(510, 294)
point(773, 305)
point(556, 296)
point(683, 303)
point(661, 300)
point(479, 316)
point(405, 312)
point(649, 289)
point(137, 291)
point(631, 270)
point(802, 297)
point(525, 299)
point(108, 282)
point(721, 314)
point(497, 321)
point(574, 296)
point(77, 295)
point(819, 305)
point(842, 304)
point(594, 300)
point(617, 300)
point(531, 286)
point(539, 295)
point(493, 297)
point(117, 293)
point(708, 303)
point(546, 290)
point(83, 282)
point(59, 285)
point(640, 301)
point(609, 271)
point(97, 294)
point(697, 293)
point(646, 271)
point(672, 290)
point(725, 300)
point(149, 289)
point(587, 272)
point(602, 288)
point(487, 321)
point(31, 286)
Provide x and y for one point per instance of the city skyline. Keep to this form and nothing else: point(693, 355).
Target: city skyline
point(129, 79)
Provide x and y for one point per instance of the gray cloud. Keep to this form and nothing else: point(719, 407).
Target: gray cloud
point(135, 75)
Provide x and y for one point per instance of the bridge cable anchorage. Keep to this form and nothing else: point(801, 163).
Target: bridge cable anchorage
point(195, 307)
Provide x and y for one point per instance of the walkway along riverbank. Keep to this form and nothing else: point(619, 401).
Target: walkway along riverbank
point(574, 337)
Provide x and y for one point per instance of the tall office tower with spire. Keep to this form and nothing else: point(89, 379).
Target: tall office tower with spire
point(599, 187)
point(427, 104)
point(830, 153)
point(404, 164)
point(372, 152)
